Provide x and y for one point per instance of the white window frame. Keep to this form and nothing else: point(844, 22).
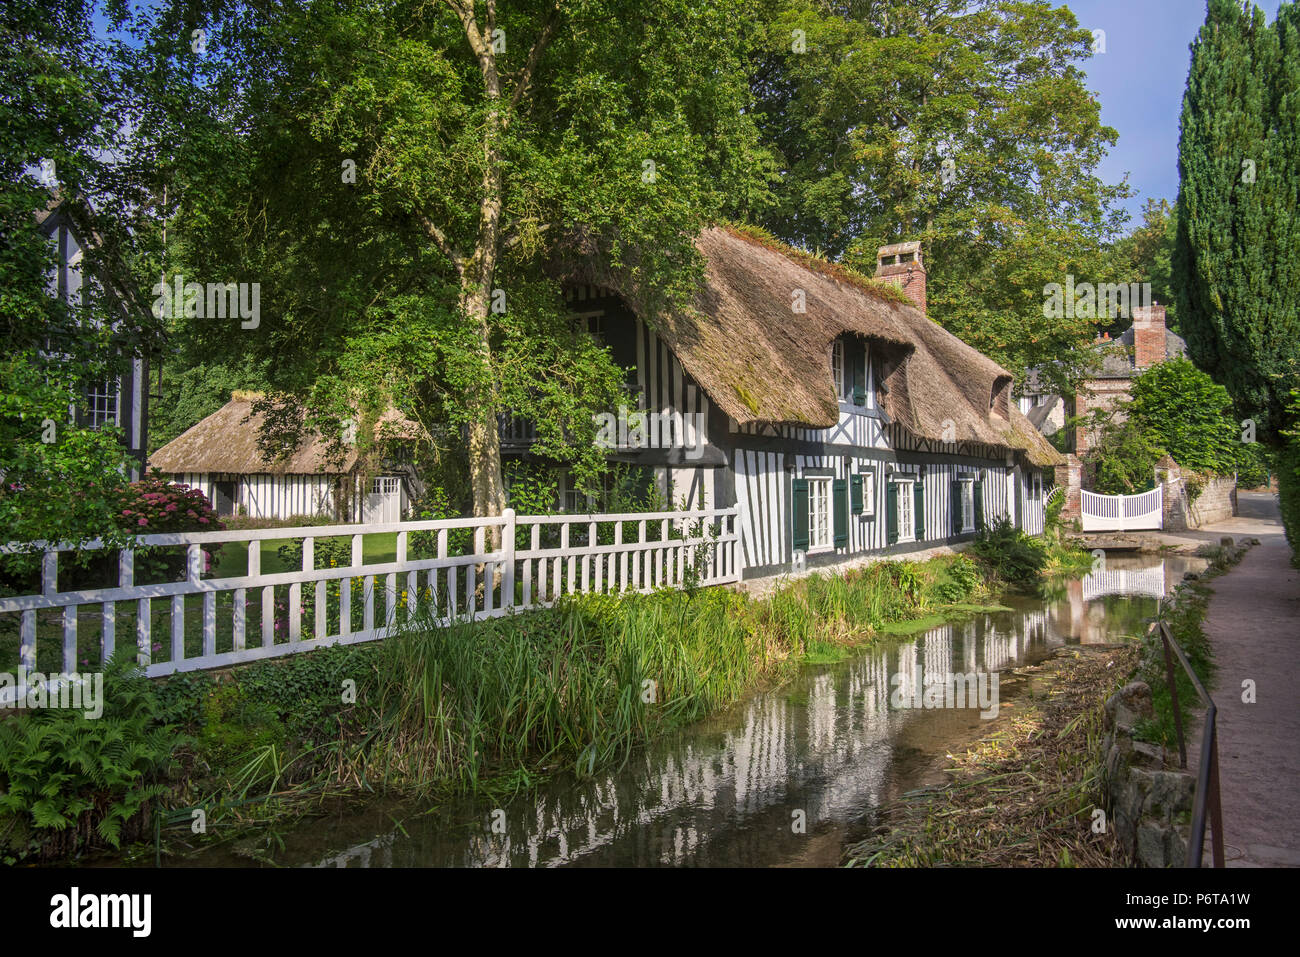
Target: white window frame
point(967, 499)
point(906, 502)
point(821, 520)
point(102, 403)
point(838, 369)
point(868, 491)
point(385, 485)
point(569, 495)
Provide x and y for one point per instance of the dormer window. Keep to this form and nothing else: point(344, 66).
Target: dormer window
point(838, 368)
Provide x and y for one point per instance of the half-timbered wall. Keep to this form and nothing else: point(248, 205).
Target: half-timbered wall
point(763, 460)
point(270, 496)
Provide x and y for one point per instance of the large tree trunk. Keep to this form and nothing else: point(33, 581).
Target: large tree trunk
point(484, 439)
point(477, 278)
point(476, 273)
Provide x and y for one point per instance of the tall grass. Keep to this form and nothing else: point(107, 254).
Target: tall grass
point(582, 683)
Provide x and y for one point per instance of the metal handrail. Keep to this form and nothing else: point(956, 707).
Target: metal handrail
point(1207, 774)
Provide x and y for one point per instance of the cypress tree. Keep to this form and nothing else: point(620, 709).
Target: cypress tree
point(1236, 258)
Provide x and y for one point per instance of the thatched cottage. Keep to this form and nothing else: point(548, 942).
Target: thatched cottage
point(220, 456)
point(840, 418)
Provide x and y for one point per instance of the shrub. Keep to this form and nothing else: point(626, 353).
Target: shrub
point(1009, 553)
point(154, 506)
point(1288, 479)
point(68, 782)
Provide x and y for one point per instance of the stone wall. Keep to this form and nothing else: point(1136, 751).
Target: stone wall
point(1068, 477)
point(1150, 802)
point(1215, 501)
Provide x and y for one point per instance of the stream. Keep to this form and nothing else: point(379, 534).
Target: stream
point(784, 778)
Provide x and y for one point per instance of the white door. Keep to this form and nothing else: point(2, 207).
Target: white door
point(384, 502)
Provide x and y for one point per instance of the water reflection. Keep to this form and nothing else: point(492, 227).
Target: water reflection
point(731, 790)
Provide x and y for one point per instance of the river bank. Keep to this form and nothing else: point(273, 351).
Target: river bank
point(492, 707)
point(1026, 795)
point(786, 776)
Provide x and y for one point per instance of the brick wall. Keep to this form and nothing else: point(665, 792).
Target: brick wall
point(1097, 394)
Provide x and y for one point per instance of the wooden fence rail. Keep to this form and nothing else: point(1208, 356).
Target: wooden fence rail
point(462, 569)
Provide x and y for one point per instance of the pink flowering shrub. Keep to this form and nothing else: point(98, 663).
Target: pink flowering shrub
point(154, 506)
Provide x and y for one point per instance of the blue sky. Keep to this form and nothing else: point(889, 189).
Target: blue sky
point(1139, 81)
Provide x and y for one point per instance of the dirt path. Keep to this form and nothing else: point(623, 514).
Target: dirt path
point(1253, 624)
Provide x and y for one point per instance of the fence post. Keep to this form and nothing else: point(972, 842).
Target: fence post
point(508, 556)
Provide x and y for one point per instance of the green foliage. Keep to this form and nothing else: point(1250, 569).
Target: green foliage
point(425, 280)
point(194, 390)
point(1188, 415)
point(57, 74)
point(1123, 459)
point(1186, 619)
point(1288, 478)
point(1009, 553)
point(1174, 409)
point(533, 489)
point(1146, 254)
point(1238, 236)
point(34, 500)
point(930, 121)
point(1256, 466)
point(68, 781)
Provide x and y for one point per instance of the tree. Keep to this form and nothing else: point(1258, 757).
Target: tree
point(401, 179)
point(1173, 409)
point(55, 131)
point(1146, 254)
point(963, 125)
point(1189, 415)
point(1238, 241)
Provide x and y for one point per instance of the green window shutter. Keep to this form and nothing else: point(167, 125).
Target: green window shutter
point(919, 491)
point(979, 504)
point(840, 507)
point(956, 508)
point(799, 509)
point(855, 494)
point(891, 512)
point(859, 375)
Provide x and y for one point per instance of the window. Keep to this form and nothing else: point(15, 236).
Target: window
point(592, 323)
point(837, 367)
point(385, 485)
point(101, 403)
point(967, 500)
point(906, 520)
point(819, 513)
point(574, 501)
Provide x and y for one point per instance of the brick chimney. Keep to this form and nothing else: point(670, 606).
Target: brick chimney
point(1148, 336)
point(900, 264)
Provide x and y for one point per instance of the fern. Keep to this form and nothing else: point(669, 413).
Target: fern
point(60, 770)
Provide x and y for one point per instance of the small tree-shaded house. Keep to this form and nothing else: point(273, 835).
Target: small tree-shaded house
point(839, 418)
point(221, 457)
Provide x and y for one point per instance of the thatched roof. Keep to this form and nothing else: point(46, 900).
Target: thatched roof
point(226, 441)
point(761, 361)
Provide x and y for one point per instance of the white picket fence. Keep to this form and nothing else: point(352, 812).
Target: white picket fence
point(1125, 581)
point(667, 550)
point(1101, 513)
